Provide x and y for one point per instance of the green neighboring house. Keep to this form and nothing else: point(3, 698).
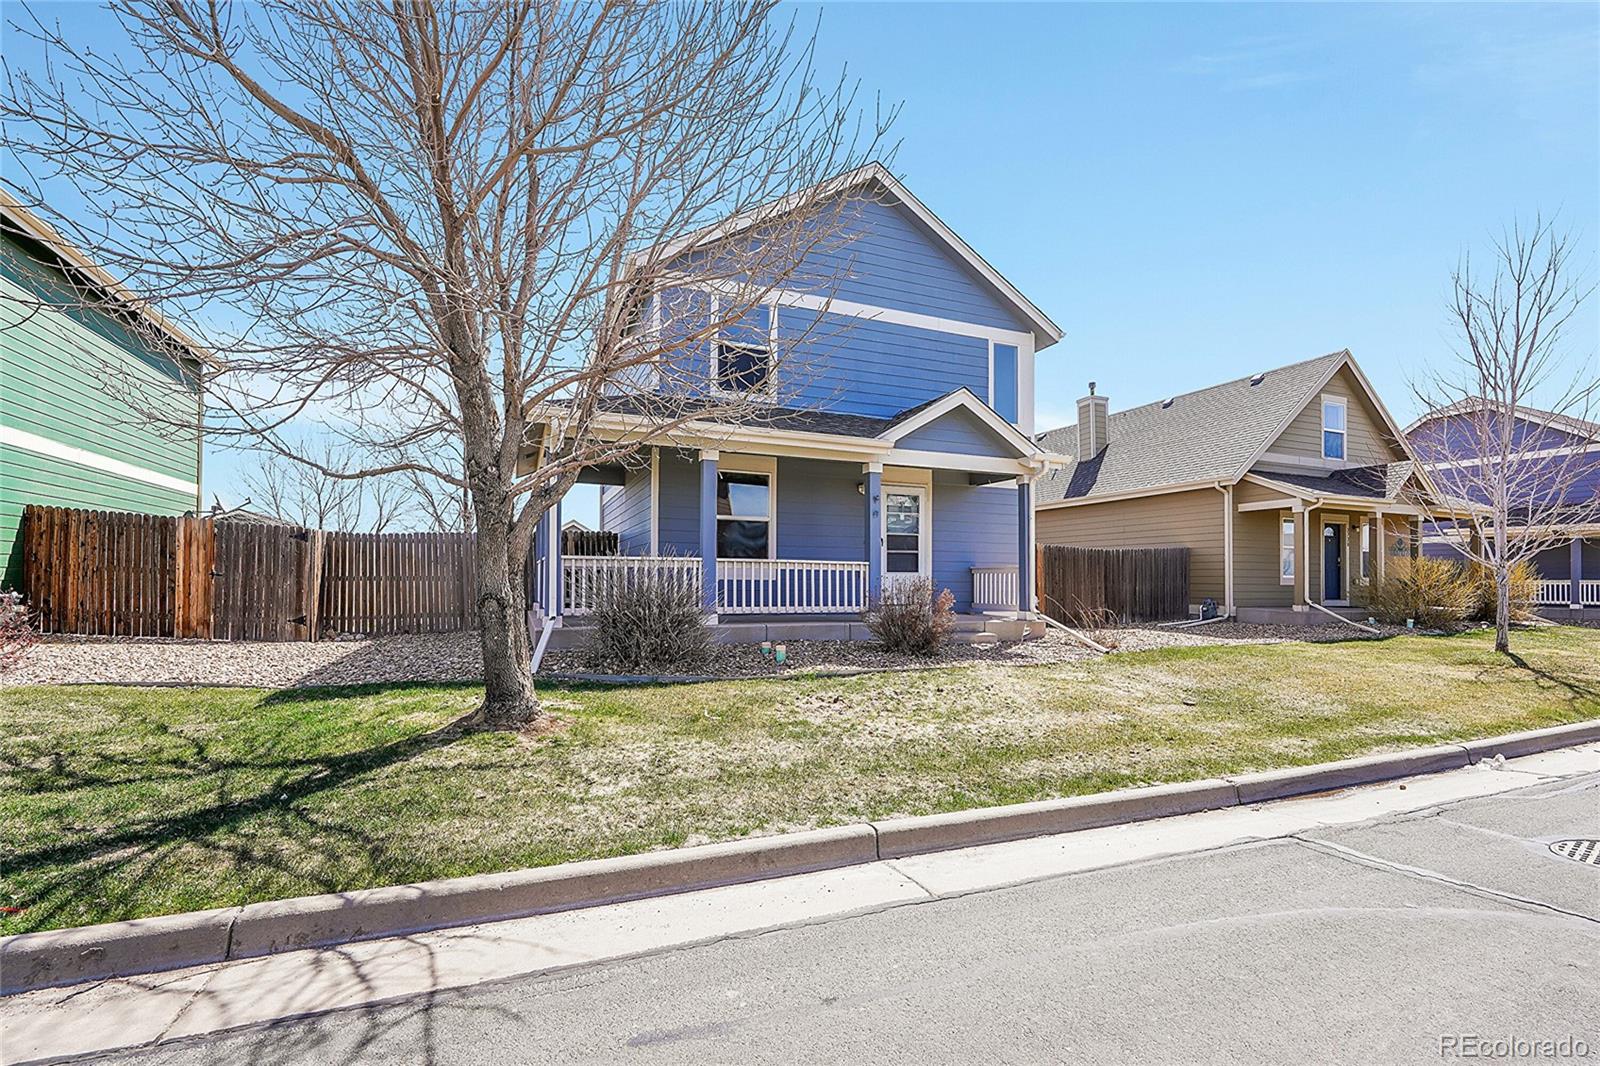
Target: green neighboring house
point(80, 358)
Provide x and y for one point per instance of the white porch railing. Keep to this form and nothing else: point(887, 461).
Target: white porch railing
point(586, 578)
point(1554, 594)
point(744, 586)
point(790, 586)
point(1559, 593)
point(994, 588)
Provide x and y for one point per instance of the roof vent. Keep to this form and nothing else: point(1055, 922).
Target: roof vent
point(1167, 402)
point(1257, 379)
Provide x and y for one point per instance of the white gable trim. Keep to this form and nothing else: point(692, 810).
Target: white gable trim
point(871, 172)
point(963, 398)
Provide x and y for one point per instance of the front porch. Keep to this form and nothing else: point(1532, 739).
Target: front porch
point(1322, 549)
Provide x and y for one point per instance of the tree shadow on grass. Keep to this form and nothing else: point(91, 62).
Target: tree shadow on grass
point(1579, 695)
point(59, 875)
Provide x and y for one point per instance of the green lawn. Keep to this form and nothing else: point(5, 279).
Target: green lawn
point(122, 802)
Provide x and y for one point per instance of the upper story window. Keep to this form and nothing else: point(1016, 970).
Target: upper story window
point(744, 515)
point(1333, 427)
point(744, 354)
point(1003, 396)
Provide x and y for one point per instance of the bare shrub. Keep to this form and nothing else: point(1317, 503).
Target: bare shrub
point(1522, 588)
point(649, 622)
point(1436, 593)
point(908, 618)
point(17, 633)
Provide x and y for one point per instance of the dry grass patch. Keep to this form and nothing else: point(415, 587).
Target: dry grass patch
point(124, 802)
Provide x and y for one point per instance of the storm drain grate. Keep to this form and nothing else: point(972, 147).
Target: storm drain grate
point(1578, 850)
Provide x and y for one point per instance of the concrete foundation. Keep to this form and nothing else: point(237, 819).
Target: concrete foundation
point(573, 631)
point(1288, 616)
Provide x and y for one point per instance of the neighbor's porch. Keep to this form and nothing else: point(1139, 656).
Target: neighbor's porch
point(1294, 560)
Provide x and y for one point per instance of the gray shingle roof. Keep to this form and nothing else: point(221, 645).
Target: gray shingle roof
point(1204, 435)
point(1380, 481)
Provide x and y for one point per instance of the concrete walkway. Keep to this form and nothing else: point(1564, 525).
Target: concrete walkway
point(1363, 925)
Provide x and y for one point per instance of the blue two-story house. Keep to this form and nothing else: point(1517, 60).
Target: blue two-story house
point(1553, 453)
point(893, 440)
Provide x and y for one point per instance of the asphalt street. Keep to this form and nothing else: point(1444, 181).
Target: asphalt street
point(1410, 939)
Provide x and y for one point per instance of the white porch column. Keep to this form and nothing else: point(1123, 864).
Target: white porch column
point(708, 533)
point(1380, 544)
point(1575, 571)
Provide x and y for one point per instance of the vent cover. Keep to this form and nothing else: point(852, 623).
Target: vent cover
point(1585, 851)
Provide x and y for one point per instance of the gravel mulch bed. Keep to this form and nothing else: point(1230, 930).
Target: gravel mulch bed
point(455, 657)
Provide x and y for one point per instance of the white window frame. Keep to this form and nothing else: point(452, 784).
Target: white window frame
point(769, 390)
point(1286, 547)
point(1344, 434)
point(924, 493)
point(763, 465)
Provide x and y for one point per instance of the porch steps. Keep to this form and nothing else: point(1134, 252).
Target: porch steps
point(959, 637)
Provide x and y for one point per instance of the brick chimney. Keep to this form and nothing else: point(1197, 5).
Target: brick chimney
point(1093, 417)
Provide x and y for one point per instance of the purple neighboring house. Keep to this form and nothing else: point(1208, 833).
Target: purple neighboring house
point(1569, 573)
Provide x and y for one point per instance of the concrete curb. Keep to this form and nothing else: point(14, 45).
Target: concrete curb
point(1533, 741)
point(1277, 784)
point(147, 945)
point(990, 825)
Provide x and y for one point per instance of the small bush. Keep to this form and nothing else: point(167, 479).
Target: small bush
point(17, 634)
point(1524, 591)
point(907, 618)
point(650, 623)
point(1434, 592)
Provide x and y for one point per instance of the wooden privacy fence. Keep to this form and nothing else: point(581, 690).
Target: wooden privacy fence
point(1087, 586)
point(590, 542)
point(115, 574)
point(383, 583)
point(106, 573)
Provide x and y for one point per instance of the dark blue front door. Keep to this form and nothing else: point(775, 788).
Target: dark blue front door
point(1332, 562)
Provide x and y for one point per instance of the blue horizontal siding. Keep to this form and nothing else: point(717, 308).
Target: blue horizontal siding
point(973, 525)
point(679, 509)
point(960, 431)
point(885, 258)
point(862, 367)
point(821, 515)
point(625, 510)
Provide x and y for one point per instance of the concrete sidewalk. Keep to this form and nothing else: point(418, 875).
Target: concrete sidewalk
point(1373, 828)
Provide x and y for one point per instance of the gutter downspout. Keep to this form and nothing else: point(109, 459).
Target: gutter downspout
point(1341, 618)
point(1227, 548)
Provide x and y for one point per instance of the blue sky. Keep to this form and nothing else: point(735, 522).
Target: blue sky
point(1195, 192)
point(1198, 191)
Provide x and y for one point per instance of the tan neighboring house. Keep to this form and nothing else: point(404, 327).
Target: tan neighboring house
point(1290, 487)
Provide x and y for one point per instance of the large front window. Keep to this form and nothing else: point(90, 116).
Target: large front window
point(1333, 428)
point(744, 515)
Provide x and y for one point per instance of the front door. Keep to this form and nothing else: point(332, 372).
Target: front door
point(1332, 561)
point(906, 545)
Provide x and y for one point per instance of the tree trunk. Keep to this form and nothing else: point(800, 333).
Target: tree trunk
point(1502, 608)
point(509, 700)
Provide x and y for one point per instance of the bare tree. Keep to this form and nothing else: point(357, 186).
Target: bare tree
point(422, 223)
point(1513, 472)
point(302, 495)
